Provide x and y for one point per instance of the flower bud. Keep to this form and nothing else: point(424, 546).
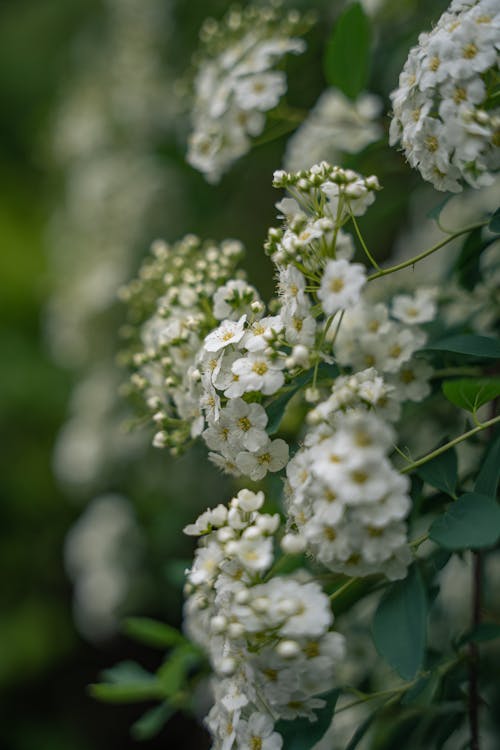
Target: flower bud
point(227, 666)
point(288, 649)
point(293, 544)
point(218, 624)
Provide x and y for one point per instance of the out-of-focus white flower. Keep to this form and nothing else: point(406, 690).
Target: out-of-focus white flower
point(442, 113)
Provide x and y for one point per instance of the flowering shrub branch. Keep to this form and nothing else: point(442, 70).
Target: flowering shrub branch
point(344, 363)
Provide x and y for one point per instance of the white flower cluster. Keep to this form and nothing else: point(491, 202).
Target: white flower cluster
point(251, 354)
point(102, 555)
point(236, 82)
point(444, 115)
point(170, 311)
point(369, 338)
point(268, 638)
point(336, 125)
point(344, 496)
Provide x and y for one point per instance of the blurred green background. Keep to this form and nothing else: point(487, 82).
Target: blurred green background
point(46, 49)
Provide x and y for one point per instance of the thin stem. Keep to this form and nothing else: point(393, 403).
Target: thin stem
point(421, 256)
point(347, 585)
point(415, 544)
point(473, 707)
point(363, 244)
point(322, 341)
point(450, 371)
point(278, 565)
point(337, 329)
point(447, 446)
point(477, 579)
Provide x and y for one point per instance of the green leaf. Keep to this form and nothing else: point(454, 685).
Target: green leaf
point(471, 393)
point(486, 631)
point(152, 633)
point(361, 731)
point(471, 522)
point(347, 56)
point(127, 672)
point(127, 682)
point(494, 225)
point(468, 264)
point(423, 692)
point(400, 625)
point(441, 472)
point(151, 722)
point(126, 693)
point(489, 473)
point(174, 671)
point(302, 734)
point(482, 347)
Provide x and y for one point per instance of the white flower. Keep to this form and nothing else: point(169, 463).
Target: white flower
point(216, 436)
point(412, 381)
point(206, 563)
point(272, 456)
point(258, 734)
point(341, 285)
point(258, 372)
point(229, 332)
point(234, 85)
point(227, 464)
point(439, 105)
point(421, 308)
point(259, 333)
point(300, 330)
point(254, 554)
point(291, 289)
point(214, 517)
point(233, 299)
point(261, 91)
point(336, 124)
point(249, 501)
point(246, 423)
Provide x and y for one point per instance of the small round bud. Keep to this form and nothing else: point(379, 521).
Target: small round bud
point(218, 624)
point(160, 439)
point(314, 417)
point(268, 524)
point(235, 520)
point(253, 532)
point(242, 596)
point(260, 604)
point(312, 395)
point(225, 534)
point(300, 355)
point(227, 666)
point(293, 544)
point(288, 649)
point(372, 182)
point(232, 548)
point(355, 190)
point(249, 501)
